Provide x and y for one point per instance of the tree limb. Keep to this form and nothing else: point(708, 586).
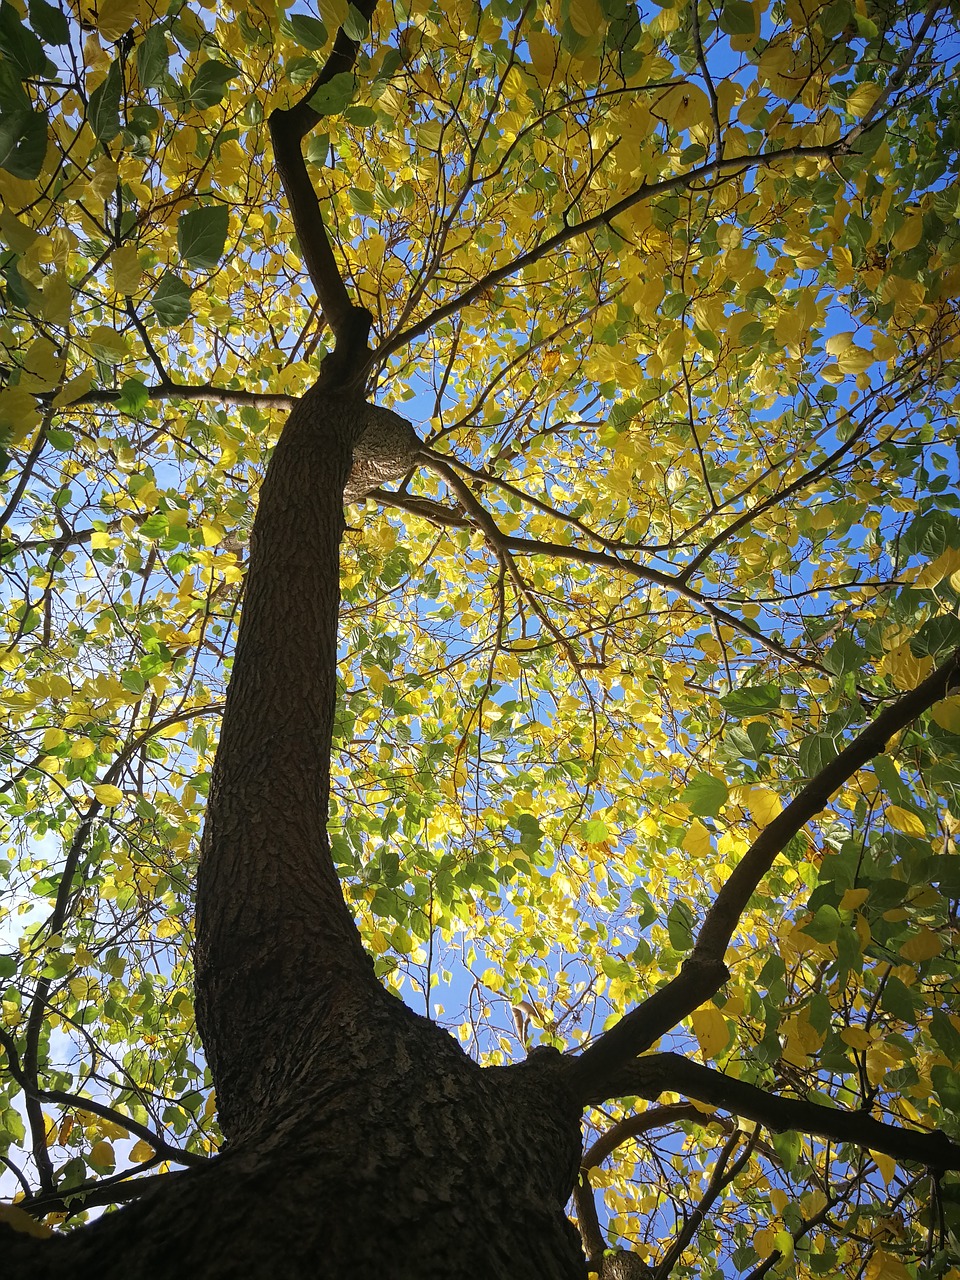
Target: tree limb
point(658, 1073)
point(288, 128)
point(704, 972)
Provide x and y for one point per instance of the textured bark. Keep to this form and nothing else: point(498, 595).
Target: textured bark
point(362, 1141)
point(421, 1166)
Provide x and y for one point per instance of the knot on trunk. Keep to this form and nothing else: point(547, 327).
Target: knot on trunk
point(386, 449)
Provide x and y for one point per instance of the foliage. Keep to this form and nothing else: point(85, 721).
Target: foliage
point(671, 296)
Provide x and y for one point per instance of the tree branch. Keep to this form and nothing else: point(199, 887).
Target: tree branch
point(703, 973)
point(658, 1073)
point(288, 128)
point(718, 167)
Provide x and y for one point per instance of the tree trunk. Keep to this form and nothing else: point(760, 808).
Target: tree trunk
point(361, 1140)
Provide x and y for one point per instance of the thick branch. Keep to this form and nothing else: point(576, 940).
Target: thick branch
point(181, 391)
point(659, 1073)
point(704, 972)
point(288, 128)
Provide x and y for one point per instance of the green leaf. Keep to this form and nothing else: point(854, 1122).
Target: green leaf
point(355, 25)
point(844, 656)
point(309, 32)
point(825, 924)
point(751, 699)
point(705, 795)
point(103, 109)
point(736, 18)
point(48, 22)
point(897, 1000)
point(152, 58)
point(23, 142)
point(816, 752)
point(133, 396)
point(680, 922)
point(936, 636)
point(209, 85)
point(334, 96)
point(360, 116)
point(201, 235)
point(171, 299)
point(362, 201)
point(19, 46)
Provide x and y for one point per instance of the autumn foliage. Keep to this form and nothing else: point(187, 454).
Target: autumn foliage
point(670, 296)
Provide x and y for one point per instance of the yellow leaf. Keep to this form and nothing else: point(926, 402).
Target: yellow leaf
point(697, 840)
point(107, 794)
point(141, 1151)
point(20, 1220)
point(853, 898)
point(116, 17)
point(887, 1166)
point(53, 738)
point(884, 1266)
point(586, 17)
point(922, 946)
point(710, 1028)
point(101, 1154)
point(81, 749)
point(763, 804)
point(908, 236)
point(855, 1037)
point(168, 927)
point(543, 55)
point(125, 269)
point(862, 99)
point(903, 820)
point(947, 714)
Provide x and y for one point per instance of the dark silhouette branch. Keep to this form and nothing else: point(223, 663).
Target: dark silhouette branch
point(288, 128)
point(658, 1073)
point(593, 1073)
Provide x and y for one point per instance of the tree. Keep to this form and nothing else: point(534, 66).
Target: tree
point(647, 644)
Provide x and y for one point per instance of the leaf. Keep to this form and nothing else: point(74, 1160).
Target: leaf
point(947, 714)
point(23, 142)
point(19, 46)
point(697, 841)
point(101, 1156)
point(844, 656)
point(705, 795)
point(107, 794)
point(355, 25)
point(335, 95)
point(103, 109)
point(737, 18)
point(209, 85)
point(751, 700)
point(711, 1029)
point(133, 396)
point(680, 920)
point(936, 636)
point(309, 32)
point(116, 17)
point(815, 754)
point(48, 22)
point(905, 821)
point(141, 1151)
point(171, 299)
point(202, 234)
point(153, 58)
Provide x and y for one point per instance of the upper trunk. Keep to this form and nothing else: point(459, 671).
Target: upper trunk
point(277, 951)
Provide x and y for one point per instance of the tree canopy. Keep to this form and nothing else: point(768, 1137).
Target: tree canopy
point(669, 293)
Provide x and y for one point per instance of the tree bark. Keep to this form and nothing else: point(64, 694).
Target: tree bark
point(361, 1139)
